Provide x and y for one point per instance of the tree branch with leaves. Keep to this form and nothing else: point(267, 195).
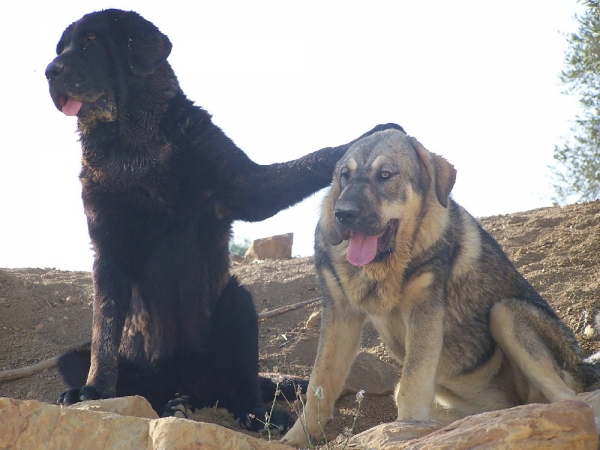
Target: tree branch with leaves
point(577, 172)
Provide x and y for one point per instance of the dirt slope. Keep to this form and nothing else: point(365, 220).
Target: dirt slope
point(44, 312)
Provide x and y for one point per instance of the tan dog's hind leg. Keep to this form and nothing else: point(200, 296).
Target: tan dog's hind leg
point(340, 337)
point(524, 347)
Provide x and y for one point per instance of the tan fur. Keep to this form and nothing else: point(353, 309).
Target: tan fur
point(333, 361)
point(547, 379)
point(471, 250)
point(471, 334)
point(352, 164)
point(440, 172)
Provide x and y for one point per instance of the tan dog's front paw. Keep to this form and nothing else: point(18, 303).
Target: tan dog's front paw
point(296, 437)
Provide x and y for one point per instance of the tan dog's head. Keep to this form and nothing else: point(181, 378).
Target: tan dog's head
point(383, 180)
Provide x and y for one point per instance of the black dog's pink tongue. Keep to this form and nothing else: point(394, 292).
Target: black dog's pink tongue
point(71, 107)
point(362, 249)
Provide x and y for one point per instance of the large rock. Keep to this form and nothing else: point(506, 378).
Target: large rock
point(563, 425)
point(592, 399)
point(274, 247)
point(29, 424)
point(369, 373)
point(134, 406)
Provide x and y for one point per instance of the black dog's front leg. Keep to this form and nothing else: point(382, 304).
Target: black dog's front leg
point(263, 191)
point(112, 297)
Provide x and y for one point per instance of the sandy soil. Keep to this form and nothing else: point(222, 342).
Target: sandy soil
point(43, 312)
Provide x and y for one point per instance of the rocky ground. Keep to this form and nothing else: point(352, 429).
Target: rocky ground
point(44, 311)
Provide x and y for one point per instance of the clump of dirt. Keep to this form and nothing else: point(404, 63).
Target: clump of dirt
point(43, 312)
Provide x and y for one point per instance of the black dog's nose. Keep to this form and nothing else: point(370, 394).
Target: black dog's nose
point(346, 216)
point(54, 69)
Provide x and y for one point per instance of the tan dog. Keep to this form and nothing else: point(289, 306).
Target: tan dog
point(471, 333)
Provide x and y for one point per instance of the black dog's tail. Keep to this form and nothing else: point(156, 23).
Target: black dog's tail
point(142, 379)
point(288, 387)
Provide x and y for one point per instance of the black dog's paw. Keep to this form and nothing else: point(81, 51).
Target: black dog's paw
point(181, 406)
point(90, 393)
point(76, 395)
point(258, 420)
point(69, 397)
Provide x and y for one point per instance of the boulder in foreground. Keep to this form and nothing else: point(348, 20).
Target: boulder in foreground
point(29, 424)
point(562, 425)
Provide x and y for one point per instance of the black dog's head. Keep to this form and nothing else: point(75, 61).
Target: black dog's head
point(99, 57)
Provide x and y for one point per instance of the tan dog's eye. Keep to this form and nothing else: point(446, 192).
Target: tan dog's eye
point(345, 174)
point(385, 174)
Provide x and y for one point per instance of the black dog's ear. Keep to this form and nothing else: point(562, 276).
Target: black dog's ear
point(148, 47)
point(437, 170)
point(381, 127)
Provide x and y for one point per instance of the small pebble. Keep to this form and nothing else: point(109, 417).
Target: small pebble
point(313, 320)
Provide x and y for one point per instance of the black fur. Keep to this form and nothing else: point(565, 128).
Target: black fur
point(161, 188)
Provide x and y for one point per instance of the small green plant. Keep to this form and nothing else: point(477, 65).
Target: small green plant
point(302, 416)
point(267, 423)
point(318, 392)
point(359, 398)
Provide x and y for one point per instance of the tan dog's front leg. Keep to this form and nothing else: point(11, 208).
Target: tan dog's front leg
point(338, 343)
point(424, 339)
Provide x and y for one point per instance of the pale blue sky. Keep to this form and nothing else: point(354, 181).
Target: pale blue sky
point(475, 81)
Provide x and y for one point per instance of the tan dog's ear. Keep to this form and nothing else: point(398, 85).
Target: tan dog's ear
point(327, 222)
point(437, 169)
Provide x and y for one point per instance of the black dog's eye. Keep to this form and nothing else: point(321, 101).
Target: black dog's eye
point(90, 37)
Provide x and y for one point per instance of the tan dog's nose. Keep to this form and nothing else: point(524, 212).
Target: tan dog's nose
point(346, 213)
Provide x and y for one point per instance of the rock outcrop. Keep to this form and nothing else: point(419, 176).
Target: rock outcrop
point(130, 423)
point(372, 375)
point(274, 247)
point(563, 425)
point(29, 424)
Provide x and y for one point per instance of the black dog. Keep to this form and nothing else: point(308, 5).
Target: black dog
point(161, 188)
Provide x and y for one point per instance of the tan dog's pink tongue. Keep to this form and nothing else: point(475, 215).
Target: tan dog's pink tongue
point(71, 107)
point(362, 249)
